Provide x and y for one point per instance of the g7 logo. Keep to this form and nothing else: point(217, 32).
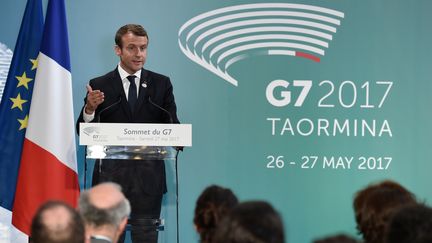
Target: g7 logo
point(286, 95)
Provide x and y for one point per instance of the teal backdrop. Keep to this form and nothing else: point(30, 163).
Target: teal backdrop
point(365, 118)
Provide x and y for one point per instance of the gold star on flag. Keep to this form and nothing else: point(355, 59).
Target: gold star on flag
point(18, 102)
point(23, 122)
point(23, 80)
point(35, 63)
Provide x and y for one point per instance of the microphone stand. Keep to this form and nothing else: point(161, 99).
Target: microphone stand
point(175, 165)
point(85, 167)
point(161, 108)
point(177, 195)
point(107, 108)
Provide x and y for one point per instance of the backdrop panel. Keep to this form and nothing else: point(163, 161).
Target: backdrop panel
point(300, 103)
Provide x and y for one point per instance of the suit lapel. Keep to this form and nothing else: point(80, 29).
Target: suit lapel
point(143, 89)
point(117, 86)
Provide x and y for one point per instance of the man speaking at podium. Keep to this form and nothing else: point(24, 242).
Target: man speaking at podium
point(132, 94)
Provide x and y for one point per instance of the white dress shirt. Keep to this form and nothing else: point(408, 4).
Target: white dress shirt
point(126, 84)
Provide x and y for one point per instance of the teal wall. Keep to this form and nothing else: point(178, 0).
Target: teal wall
point(383, 40)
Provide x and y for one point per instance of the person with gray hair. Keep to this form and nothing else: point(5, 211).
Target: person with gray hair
point(105, 211)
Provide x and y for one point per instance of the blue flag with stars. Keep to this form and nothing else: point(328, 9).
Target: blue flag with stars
point(15, 104)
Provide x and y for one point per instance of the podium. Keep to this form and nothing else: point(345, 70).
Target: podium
point(136, 141)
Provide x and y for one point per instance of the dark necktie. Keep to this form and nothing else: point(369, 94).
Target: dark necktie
point(132, 96)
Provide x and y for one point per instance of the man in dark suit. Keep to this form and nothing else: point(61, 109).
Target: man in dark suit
point(131, 94)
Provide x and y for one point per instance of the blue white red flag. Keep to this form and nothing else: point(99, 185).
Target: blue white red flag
point(48, 169)
point(14, 110)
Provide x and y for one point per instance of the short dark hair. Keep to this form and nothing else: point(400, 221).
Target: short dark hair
point(213, 203)
point(375, 205)
point(411, 225)
point(251, 222)
point(73, 232)
point(136, 29)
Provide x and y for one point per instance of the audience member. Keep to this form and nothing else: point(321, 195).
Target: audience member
point(411, 225)
point(105, 211)
point(251, 222)
point(340, 238)
point(57, 222)
point(375, 205)
point(213, 203)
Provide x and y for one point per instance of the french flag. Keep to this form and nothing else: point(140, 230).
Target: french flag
point(48, 169)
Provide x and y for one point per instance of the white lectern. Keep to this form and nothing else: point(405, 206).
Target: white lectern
point(136, 141)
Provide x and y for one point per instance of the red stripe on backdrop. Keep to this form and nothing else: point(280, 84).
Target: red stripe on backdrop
point(42, 177)
point(306, 55)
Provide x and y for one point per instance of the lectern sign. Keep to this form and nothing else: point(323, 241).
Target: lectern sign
point(135, 134)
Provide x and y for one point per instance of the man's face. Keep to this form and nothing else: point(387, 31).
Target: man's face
point(133, 53)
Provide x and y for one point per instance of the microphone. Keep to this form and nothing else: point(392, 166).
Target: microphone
point(170, 118)
point(161, 108)
point(98, 121)
point(107, 108)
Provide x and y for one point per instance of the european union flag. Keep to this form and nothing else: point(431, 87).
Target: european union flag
point(15, 104)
